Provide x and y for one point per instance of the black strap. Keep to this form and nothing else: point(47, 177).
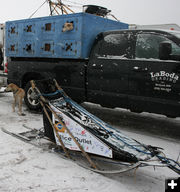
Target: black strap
point(14, 92)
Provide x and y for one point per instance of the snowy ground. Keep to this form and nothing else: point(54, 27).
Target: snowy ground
point(24, 167)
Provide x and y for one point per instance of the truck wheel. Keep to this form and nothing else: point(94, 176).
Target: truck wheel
point(31, 98)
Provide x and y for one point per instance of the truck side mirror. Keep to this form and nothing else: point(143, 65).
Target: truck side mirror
point(165, 50)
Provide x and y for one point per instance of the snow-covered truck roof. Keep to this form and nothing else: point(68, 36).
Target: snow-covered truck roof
point(169, 26)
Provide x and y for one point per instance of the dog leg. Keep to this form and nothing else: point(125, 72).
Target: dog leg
point(20, 106)
point(14, 104)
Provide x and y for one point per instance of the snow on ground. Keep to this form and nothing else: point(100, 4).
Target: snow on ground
point(24, 167)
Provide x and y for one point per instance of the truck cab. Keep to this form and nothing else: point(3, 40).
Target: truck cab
point(136, 69)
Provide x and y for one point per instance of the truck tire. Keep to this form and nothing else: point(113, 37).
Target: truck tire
point(30, 98)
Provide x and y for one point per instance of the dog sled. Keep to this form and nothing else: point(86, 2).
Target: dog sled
point(80, 136)
point(90, 141)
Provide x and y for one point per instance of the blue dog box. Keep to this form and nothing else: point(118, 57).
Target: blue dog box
point(63, 36)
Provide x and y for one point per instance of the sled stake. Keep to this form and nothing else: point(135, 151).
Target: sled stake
point(59, 88)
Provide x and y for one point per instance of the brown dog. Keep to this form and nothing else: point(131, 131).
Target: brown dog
point(67, 27)
point(18, 94)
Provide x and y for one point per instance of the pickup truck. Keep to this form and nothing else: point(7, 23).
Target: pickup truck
point(133, 69)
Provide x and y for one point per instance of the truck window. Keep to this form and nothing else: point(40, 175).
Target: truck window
point(175, 49)
point(147, 46)
point(115, 45)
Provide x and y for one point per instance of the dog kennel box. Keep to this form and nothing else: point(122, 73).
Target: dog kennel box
point(44, 37)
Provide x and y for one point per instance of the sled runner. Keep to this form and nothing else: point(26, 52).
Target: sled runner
point(36, 138)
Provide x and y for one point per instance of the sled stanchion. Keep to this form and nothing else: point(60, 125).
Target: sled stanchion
point(59, 88)
point(77, 143)
point(60, 140)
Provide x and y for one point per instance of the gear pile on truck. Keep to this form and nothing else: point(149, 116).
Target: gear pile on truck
point(98, 60)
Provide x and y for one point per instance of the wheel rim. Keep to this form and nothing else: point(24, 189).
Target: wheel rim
point(32, 97)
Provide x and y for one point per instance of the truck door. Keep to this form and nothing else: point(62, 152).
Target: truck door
point(154, 80)
point(108, 70)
